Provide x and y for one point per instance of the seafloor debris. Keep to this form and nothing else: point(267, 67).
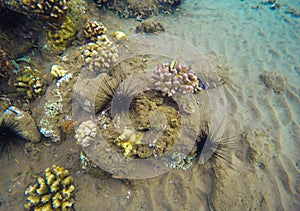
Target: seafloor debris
point(68, 126)
point(274, 81)
point(119, 35)
point(272, 3)
point(53, 191)
point(85, 133)
point(60, 38)
point(175, 77)
point(25, 123)
point(293, 12)
point(149, 26)
point(49, 124)
point(29, 82)
point(101, 55)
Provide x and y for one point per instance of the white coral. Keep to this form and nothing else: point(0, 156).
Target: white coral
point(175, 77)
point(85, 133)
point(101, 55)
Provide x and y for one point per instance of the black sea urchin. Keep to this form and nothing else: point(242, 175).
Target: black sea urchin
point(9, 136)
point(216, 151)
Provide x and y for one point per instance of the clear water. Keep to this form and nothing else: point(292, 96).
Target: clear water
point(267, 162)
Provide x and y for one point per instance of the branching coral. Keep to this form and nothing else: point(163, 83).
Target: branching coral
point(92, 29)
point(100, 56)
point(174, 78)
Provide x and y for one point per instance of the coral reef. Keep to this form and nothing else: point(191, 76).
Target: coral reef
point(101, 55)
point(92, 29)
point(137, 139)
point(149, 26)
point(60, 38)
point(85, 133)
point(25, 123)
point(57, 71)
point(29, 83)
point(53, 191)
point(175, 78)
point(51, 10)
point(49, 124)
point(129, 141)
point(77, 12)
point(139, 9)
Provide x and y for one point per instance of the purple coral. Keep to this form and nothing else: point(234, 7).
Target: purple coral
point(174, 78)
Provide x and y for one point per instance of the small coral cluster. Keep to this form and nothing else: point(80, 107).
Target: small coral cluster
point(60, 38)
point(57, 71)
point(129, 141)
point(175, 78)
point(53, 191)
point(51, 9)
point(92, 29)
point(101, 55)
point(30, 83)
point(85, 133)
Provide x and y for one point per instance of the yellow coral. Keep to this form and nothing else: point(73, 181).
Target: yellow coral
point(58, 71)
point(129, 141)
point(30, 83)
point(49, 193)
point(63, 36)
point(119, 35)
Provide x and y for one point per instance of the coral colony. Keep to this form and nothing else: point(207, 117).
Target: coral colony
point(175, 78)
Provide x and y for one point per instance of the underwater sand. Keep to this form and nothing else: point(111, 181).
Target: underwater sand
point(264, 124)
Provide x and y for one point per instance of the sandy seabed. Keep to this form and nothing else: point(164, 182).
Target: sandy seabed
point(264, 123)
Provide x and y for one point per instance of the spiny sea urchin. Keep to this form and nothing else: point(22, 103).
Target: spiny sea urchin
point(10, 136)
point(215, 151)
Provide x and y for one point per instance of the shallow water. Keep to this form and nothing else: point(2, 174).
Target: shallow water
point(253, 41)
point(266, 156)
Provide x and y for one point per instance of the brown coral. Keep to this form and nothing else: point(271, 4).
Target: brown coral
point(54, 10)
point(92, 29)
point(68, 127)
